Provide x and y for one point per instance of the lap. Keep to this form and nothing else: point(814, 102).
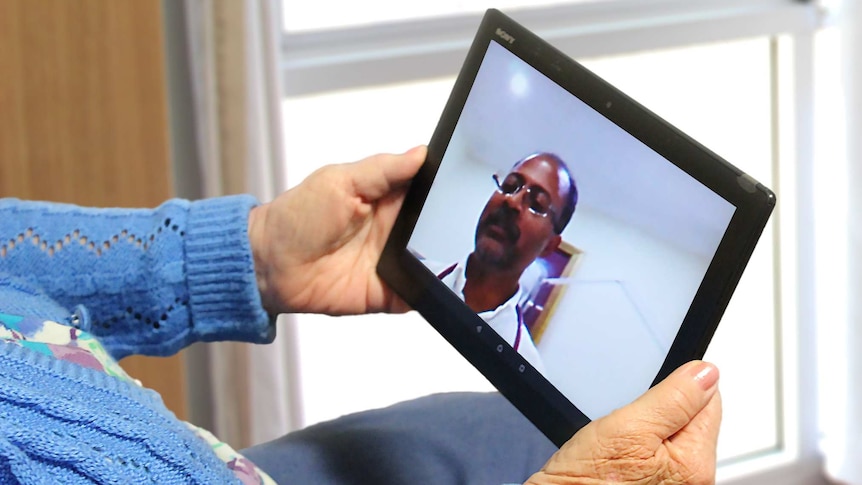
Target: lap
point(439, 439)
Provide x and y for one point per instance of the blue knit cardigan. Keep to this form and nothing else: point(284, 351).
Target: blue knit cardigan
point(144, 282)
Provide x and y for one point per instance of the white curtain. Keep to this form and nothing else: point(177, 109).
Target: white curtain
point(233, 56)
point(842, 373)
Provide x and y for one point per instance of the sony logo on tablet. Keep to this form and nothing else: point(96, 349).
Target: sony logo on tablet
point(505, 36)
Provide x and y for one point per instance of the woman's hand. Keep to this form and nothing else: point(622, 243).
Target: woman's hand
point(316, 246)
point(667, 436)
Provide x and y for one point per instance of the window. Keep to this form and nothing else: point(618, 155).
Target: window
point(719, 70)
point(334, 14)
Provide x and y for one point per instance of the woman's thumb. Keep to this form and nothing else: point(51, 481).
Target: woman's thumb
point(675, 401)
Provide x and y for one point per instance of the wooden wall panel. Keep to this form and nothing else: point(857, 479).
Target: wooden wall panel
point(83, 118)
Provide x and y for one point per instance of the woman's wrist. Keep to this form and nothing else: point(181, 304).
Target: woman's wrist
point(256, 218)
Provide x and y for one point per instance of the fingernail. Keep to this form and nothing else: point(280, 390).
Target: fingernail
point(706, 375)
point(414, 149)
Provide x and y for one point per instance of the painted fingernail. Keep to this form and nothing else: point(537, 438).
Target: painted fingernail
point(706, 375)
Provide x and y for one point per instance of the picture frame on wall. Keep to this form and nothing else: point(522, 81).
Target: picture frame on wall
point(539, 305)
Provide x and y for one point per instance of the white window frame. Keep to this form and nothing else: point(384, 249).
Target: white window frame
point(364, 56)
point(352, 57)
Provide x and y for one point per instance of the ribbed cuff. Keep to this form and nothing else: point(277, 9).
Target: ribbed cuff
point(223, 294)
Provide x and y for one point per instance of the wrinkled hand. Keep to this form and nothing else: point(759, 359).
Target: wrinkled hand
point(667, 436)
point(316, 246)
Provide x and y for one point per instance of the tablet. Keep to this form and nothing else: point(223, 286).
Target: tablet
point(569, 243)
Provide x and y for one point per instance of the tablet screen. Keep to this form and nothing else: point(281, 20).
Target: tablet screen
point(572, 245)
point(582, 247)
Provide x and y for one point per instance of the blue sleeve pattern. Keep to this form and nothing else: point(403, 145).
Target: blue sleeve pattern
point(152, 280)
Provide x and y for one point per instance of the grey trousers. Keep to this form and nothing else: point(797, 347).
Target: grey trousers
point(455, 438)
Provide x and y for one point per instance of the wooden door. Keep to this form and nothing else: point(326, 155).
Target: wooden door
point(83, 118)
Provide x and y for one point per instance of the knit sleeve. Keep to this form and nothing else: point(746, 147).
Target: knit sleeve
point(149, 281)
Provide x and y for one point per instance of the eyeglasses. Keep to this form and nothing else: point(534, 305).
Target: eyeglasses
point(538, 199)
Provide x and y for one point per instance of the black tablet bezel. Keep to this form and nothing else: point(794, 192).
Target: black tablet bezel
point(524, 386)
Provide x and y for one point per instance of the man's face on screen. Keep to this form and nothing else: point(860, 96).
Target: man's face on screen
point(517, 224)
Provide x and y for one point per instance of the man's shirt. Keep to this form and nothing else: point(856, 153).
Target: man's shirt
point(506, 319)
